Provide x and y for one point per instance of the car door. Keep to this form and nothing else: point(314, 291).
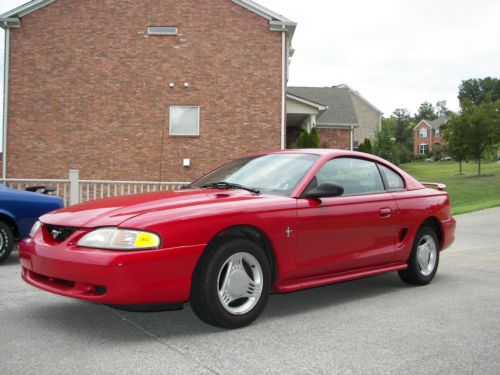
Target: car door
point(355, 230)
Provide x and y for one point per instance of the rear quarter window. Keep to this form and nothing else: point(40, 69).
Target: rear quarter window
point(394, 181)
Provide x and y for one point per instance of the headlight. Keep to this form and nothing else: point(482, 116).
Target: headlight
point(35, 228)
point(120, 239)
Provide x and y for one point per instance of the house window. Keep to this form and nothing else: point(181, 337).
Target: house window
point(422, 149)
point(162, 30)
point(184, 120)
point(437, 132)
point(423, 133)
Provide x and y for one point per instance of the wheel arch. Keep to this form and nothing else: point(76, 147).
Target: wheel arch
point(11, 222)
point(248, 232)
point(433, 223)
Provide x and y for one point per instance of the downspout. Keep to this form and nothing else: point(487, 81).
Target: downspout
point(5, 100)
point(283, 88)
point(352, 138)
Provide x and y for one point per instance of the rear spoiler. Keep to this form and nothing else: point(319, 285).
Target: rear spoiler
point(434, 185)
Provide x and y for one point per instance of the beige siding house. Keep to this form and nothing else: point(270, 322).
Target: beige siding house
point(343, 117)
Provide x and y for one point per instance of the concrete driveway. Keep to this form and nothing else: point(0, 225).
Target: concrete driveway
point(375, 325)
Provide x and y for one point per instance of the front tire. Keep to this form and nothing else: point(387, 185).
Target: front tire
point(231, 284)
point(6, 241)
point(424, 258)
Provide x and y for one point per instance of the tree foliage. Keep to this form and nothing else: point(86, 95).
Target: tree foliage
point(479, 90)
point(482, 123)
point(455, 136)
point(308, 139)
point(426, 111)
point(385, 146)
point(366, 146)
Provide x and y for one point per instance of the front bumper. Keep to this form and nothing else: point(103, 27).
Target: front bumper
point(109, 277)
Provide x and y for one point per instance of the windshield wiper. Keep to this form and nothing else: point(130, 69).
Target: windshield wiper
point(228, 185)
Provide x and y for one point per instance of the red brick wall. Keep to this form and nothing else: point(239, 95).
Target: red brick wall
point(89, 90)
point(430, 140)
point(335, 138)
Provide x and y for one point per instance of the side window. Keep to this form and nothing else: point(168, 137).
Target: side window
point(394, 181)
point(356, 176)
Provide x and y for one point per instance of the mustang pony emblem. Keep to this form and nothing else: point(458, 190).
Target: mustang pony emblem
point(55, 233)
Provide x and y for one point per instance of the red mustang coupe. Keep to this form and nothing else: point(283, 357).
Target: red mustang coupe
point(275, 222)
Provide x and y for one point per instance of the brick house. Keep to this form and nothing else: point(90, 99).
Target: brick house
point(427, 136)
point(343, 117)
point(141, 90)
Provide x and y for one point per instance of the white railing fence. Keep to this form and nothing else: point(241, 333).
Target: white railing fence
point(73, 190)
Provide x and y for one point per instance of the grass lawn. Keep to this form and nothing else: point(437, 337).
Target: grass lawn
point(467, 192)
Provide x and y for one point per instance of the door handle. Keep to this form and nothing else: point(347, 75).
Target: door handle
point(385, 212)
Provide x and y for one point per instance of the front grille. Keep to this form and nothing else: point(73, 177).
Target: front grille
point(59, 233)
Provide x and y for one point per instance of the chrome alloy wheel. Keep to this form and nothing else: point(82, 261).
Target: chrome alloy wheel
point(240, 283)
point(426, 255)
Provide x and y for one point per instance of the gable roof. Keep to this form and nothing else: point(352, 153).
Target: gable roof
point(308, 102)
point(354, 92)
point(433, 124)
point(277, 22)
point(340, 110)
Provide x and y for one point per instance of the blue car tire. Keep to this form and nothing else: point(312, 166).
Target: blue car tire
point(6, 241)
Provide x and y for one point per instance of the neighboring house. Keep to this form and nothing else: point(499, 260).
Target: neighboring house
point(343, 117)
point(128, 90)
point(427, 136)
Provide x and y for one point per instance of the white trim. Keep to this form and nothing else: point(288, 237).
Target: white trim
point(422, 121)
point(426, 133)
point(352, 138)
point(27, 8)
point(283, 90)
point(319, 107)
point(336, 125)
point(162, 30)
point(262, 11)
point(170, 121)
point(5, 100)
point(423, 144)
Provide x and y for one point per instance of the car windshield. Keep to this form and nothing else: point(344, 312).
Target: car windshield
point(276, 174)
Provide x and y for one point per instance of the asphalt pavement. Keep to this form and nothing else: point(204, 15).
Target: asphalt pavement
point(370, 326)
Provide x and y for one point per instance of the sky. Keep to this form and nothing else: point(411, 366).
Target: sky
point(396, 53)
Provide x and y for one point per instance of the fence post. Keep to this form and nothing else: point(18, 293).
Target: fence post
point(74, 187)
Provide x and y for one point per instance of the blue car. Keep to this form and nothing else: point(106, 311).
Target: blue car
point(19, 210)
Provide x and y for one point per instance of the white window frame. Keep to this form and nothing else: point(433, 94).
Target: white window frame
point(162, 30)
point(437, 133)
point(422, 133)
point(425, 148)
point(170, 121)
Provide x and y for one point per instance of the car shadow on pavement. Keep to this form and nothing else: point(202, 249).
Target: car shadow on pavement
point(89, 320)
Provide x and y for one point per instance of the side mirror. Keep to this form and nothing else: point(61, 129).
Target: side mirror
point(325, 191)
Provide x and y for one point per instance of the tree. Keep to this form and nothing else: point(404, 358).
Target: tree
point(479, 90)
point(442, 110)
point(426, 111)
point(482, 128)
point(308, 139)
point(366, 146)
point(455, 135)
point(403, 131)
point(384, 145)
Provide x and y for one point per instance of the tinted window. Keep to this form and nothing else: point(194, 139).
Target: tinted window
point(394, 181)
point(356, 176)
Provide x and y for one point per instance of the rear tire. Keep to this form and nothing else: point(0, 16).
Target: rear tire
point(231, 284)
point(6, 241)
point(424, 258)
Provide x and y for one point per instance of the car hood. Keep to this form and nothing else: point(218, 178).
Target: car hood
point(115, 211)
